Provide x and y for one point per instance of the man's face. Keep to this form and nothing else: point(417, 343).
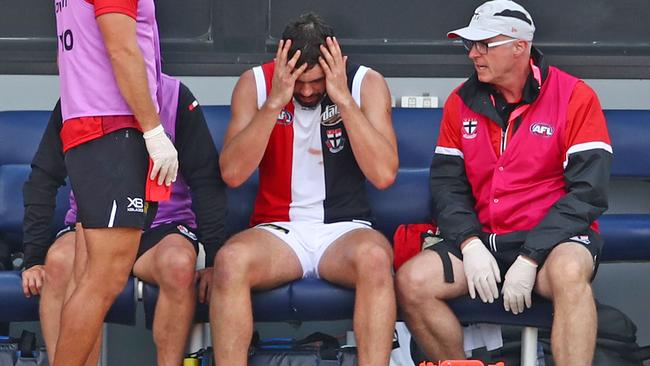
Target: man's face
point(310, 87)
point(495, 65)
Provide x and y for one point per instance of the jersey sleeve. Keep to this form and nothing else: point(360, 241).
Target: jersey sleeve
point(126, 7)
point(453, 202)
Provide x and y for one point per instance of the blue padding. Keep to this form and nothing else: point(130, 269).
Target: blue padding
point(408, 200)
point(123, 309)
point(20, 134)
point(417, 135)
point(268, 306)
point(314, 299)
point(629, 131)
point(12, 178)
point(471, 311)
point(15, 307)
point(240, 205)
point(217, 117)
point(627, 237)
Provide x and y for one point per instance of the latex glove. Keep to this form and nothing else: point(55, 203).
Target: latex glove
point(481, 270)
point(164, 155)
point(518, 285)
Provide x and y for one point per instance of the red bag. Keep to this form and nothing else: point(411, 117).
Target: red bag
point(407, 241)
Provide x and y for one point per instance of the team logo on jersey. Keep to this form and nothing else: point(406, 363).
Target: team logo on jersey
point(584, 239)
point(335, 140)
point(285, 118)
point(183, 230)
point(470, 128)
point(330, 116)
point(541, 129)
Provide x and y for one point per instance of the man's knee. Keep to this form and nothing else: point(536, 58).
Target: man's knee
point(415, 282)
point(176, 269)
point(232, 263)
point(569, 267)
point(58, 265)
point(373, 256)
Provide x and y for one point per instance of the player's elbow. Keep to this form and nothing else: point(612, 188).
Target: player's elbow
point(231, 177)
point(385, 179)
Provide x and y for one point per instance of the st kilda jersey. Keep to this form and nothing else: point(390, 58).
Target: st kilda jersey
point(308, 171)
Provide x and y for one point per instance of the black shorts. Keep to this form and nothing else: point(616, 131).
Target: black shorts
point(153, 236)
point(64, 230)
point(108, 177)
point(505, 248)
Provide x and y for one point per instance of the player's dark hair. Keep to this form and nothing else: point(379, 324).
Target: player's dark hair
point(307, 33)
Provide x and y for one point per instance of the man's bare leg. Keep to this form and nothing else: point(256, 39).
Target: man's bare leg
point(171, 265)
point(58, 273)
point(253, 259)
point(565, 279)
point(58, 286)
point(362, 259)
point(110, 256)
point(422, 294)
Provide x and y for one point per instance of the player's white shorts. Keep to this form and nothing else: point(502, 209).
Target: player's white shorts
point(310, 240)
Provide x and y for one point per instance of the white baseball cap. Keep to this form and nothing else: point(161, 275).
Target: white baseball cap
point(498, 17)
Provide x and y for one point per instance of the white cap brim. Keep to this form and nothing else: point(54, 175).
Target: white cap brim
point(472, 33)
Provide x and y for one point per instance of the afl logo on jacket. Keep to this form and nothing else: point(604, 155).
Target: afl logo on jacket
point(541, 129)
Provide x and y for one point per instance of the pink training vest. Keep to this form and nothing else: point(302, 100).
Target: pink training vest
point(88, 86)
point(515, 191)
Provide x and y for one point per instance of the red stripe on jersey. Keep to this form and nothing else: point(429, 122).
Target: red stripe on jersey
point(126, 7)
point(274, 192)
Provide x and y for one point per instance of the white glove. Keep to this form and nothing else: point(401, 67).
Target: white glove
point(518, 285)
point(164, 155)
point(481, 270)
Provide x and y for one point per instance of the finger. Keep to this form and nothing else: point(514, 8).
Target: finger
point(164, 167)
point(496, 270)
point(487, 289)
point(39, 283)
point(278, 53)
point(326, 68)
point(32, 286)
point(529, 300)
point(480, 287)
point(171, 174)
point(506, 301)
point(325, 53)
point(472, 290)
point(520, 303)
point(335, 48)
point(26, 286)
point(297, 72)
point(283, 51)
point(494, 290)
point(155, 170)
point(294, 60)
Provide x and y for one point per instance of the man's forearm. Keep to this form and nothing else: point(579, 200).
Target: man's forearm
point(376, 156)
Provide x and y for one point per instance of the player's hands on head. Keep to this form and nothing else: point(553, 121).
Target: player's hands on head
point(284, 76)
